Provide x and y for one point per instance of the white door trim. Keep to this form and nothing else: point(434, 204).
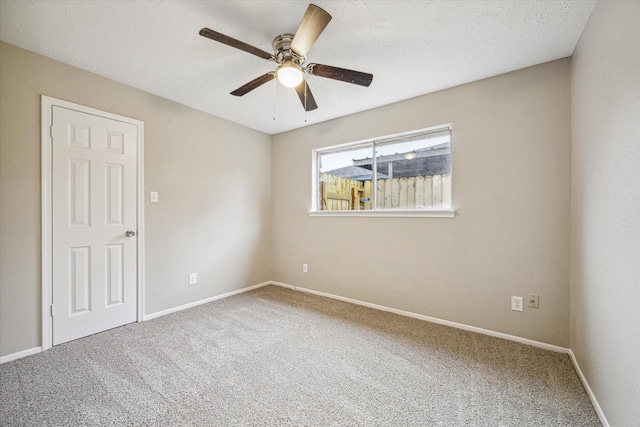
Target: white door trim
point(47, 104)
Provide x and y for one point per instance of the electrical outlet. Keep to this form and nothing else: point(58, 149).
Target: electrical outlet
point(516, 304)
point(305, 268)
point(193, 278)
point(533, 300)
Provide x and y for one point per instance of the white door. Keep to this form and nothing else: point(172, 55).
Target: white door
point(94, 162)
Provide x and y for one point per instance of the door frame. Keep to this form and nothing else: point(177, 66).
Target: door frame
point(47, 104)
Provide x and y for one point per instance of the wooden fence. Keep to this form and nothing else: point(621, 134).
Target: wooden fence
point(341, 194)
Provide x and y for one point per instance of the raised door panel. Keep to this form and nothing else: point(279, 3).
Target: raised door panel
point(79, 280)
point(115, 274)
point(79, 192)
point(114, 208)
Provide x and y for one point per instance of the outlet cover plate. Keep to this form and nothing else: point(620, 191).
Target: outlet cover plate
point(193, 278)
point(516, 304)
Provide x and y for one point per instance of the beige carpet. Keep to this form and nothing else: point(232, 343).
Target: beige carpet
point(275, 357)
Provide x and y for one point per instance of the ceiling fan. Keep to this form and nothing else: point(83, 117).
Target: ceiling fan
point(290, 51)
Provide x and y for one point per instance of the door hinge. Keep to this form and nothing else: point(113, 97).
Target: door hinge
point(51, 310)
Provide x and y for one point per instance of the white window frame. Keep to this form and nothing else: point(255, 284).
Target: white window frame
point(376, 212)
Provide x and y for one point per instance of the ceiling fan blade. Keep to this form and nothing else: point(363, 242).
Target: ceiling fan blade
point(342, 74)
point(307, 99)
point(229, 41)
point(257, 82)
point(312, 25)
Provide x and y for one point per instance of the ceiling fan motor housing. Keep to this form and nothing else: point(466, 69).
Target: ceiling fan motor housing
point(282, 49)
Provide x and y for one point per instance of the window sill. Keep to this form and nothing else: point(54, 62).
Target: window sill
point(399, 213)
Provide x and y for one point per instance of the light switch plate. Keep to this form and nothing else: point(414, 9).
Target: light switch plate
point(533, 300)
point(153, 196)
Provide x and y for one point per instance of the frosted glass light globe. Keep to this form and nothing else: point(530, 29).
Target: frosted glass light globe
point(290, 74)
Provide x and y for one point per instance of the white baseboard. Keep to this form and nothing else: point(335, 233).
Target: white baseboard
point(284, 285)
point(202, 301)
point(36, 350)
point(587, 388)
point(521, 340)
point(20, 355)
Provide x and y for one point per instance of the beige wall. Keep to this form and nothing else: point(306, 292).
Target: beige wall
point(511, 190)
point(213, 179)
point(605, 273)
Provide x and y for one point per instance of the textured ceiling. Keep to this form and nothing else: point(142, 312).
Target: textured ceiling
point(411, 47)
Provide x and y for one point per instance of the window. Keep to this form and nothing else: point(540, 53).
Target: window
point(398, 174)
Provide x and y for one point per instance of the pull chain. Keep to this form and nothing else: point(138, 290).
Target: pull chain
point(275, 94)
point(274, 97)
point(305, 100)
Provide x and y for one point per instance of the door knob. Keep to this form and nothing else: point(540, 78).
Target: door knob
point(130, 233)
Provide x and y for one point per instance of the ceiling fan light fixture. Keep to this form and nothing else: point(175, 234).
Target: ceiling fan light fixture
point(290, 74)
point(290, 52)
